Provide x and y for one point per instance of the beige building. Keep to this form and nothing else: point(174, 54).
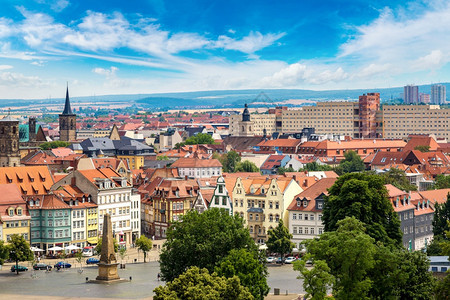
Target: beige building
point(399, 121)
point(262, 202)
point(345, 118)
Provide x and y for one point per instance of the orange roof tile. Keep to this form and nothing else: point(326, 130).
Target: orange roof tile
point(311, 194)
point(196, 163)
point(27, 178)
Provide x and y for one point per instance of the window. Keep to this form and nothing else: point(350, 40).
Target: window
point(305, 204)
point(312, 231)
point(320, 230)
point(277, 218)
point(250, 217)
point(277, 205)
point(300, 216)
point(319, 205)
point(294, 216)
point(306, 230)
point(294, 230)
point(270, 204)
point(300, 230)
point(270, 218)
point(11, 212)
point(311, 217)
point(306, 217)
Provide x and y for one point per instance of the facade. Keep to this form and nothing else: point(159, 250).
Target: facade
point(273, 162)
point(198, 168)
point(135, 216)
point(220, 197)
point(305, 211)
point(111, 192)
point(67, 122)
point(369, 105)
point(9, 142)
point(424, 98)
point(172, 198)
point(411, 94)
point(50, 221)
point(438, 94)
point(346, 118)
point(14, 215)
point(400, 121)
point(262, 202)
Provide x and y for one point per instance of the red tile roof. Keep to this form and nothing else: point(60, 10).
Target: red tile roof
point(311, 193)
point(196, 163)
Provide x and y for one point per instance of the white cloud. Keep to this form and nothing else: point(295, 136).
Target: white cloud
point(19, 80)
point(434, 60)
point(111, 72)
point(5, 67)
point(59, 5)
point(249, 44)
point(372, 70)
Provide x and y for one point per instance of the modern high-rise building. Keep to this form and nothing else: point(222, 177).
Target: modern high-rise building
point(438, 94)
point(424, 98)
point(369, 105)
point(411, 94)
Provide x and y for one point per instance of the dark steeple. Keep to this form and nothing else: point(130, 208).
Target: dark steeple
point(67, 109)
point(246, 114)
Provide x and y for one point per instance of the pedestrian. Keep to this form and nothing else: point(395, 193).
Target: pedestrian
point(158, 276)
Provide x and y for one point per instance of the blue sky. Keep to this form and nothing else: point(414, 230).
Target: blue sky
point(116, 47)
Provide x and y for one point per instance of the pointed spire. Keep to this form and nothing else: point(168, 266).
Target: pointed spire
point(67, 109)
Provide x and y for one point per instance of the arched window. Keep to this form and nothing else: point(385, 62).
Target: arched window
point(277, 218)
point(251, 229)
point(270, 218)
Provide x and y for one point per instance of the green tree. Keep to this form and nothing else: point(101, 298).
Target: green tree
point(398, 178)
point(229, 161)
point(441, 217)
point(123, 253)
point(144, 244)
point(250, 269)
point(4, 252)
point(179, 145)
point(314, 166)
point(98, 248)
point(202, 240)
point(54, 144)
point(79, 257)
point(351, 163)
point(349, 253)
point(198, 283)
point(19, 250)
point(162, 157)
point(282, 170)
point(246, 166)
point(200, 139)
point(422, 148)
point(316, 280)
point(441, 182)
point(363, 196)
point(279, 240)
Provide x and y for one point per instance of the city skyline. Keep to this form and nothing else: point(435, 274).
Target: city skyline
point(155, 46)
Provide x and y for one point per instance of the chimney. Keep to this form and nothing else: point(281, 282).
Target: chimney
point(185, 177)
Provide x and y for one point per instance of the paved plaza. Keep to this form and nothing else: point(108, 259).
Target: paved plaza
point(71, 283)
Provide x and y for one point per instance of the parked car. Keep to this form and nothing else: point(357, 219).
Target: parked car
point(290, 260)
point(92, 260)
point(270, 259)
point(19, 267)
point(41, 266)
point(62, 264)
point(280, 261)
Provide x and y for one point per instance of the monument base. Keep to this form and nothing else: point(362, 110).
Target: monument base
point(107, 272)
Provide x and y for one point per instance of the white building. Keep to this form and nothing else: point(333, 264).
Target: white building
point(198, 168)
point(135, 216)
point(78, 225)
point(221, 198)
point(305, 211)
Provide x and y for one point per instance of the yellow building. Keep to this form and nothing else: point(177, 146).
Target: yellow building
point(14, 215)
point(134, 161)
point(92, 223)
point(263, 202)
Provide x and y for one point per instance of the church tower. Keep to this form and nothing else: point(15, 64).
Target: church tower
point(67, 122)
point(245, 126)
point(9, 142)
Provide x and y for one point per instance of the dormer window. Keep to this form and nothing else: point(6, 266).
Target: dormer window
point(299, 203)
point(31, 202)
point(11, 212)
point(262, 190)
point(19, 211)
point(305, 203)
point(37, 202)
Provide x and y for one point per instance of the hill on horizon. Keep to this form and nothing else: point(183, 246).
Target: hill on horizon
point(226, 98)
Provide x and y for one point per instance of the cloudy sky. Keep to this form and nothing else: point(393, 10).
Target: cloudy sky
point(146, 46)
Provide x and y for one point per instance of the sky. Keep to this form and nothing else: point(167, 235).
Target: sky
point(152, 46)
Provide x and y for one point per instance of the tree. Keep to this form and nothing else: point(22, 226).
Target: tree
point(279, 240)
point(123, 253)
point(98, 248)
point(144, 244)
point(282, 170)
point(246, 166)
point(4, 253)
point(162, 157)
point(349, 254)
point(441, 182)
point(229, 161)
point(250, 269)
point(422, 148)
point(79, 258)
point(202, 240)
point(398, 178)
point(200, 139)
point(317, 280)
point(351, 163)
point(19, 250)
point(314, 166)
point(198, 283)
point(363, 196)
point(441, 217)
point(54, 144)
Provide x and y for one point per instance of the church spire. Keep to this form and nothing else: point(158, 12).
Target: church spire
point(67, 109)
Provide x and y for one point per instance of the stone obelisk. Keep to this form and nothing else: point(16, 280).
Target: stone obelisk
point(107, 267)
